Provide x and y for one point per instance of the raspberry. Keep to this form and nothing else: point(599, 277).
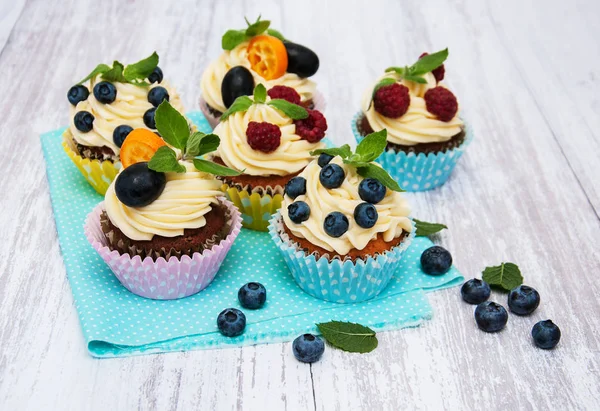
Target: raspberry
point(441, 102)
point(439, 72)
point(392, 101)
point(265, 137)
point(313, 127)
point(286, 93)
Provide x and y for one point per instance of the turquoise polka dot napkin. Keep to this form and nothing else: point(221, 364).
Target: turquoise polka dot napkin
point(117, 323)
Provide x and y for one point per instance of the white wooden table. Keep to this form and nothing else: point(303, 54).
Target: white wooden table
point(528, 190)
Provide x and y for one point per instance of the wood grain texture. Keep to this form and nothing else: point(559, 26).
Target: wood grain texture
point(527, 191)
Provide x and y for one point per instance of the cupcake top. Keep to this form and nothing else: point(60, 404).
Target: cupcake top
point(265, 136)
point(413, 104)
point(112, 101)
point(257, 55)
point(343, 201)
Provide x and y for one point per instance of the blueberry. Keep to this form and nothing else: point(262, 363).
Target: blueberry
point(238, 81)
point(84, 121)
point(436, 260)
point(298, 211)
point(77, 94)
point(156, 76)
point(365, 215)
point(149, 118)
point(105, 92)
point(332, 176)
point(324, 159)
point(157, 95)
point(231, 322)
point(308, 348)
point(138, 186)
point(335, 224)
point(371, 190)
point(120, 133)
point(545, 334)
point(301, 60)
point(490, 317)
point(523, 300)
point(295, 187)
point(252, 296)
point(475, 291)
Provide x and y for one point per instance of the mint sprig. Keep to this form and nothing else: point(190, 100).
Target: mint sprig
point(165, 160)
point(424, 65)
point(135, 73)
point(115, 73)
point(348, 336)
point(425, 229)
point(99, 69)
point(260, 94)
point(233, 38)
point(505, 276)
point(343, 151)
point(293, 111)
point(243, 103)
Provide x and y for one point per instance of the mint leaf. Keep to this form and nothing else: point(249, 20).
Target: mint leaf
point(343, 151)
point(115, 73)
point(397, 70)
point(349, 337)
point(165, 161)
point(233, 38)
point(416, 79)
point(293, 111)
point(428, 63)
point(241, 103)
point(199, 144)
point(372, 146)
point(260, 94)
point(425, 229)
point(378, 173)
point(100, 69)
point(172, 125)
point(142, 69)
point(275, 33)
point(257, 28)
point(505, 276)
point(214, 168)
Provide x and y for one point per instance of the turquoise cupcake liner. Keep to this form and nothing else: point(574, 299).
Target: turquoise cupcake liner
point(419, 172)
point(338, 281)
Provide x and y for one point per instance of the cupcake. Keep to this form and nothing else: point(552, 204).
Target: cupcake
point(164, 227)
point(425, 134)
point(105, 107)
point(343, 224)
point(268, 140)
point(257, 55)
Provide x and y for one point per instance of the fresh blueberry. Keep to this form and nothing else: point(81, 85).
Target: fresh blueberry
point(138, 186)
point(77, 94)
point(149, 118)
point(84, 121)
point(545, 334)
point(371, 190)
point(436, 260)
point(475, 291)
point(295, 187)
point(308, 348)
point(231, 322)
point(523, 300)
point(252, 296)
point(335, 224)
point(490, 317)
point(120, 133)
point(332, 176)
point(298, 211)
point(105, 92)
point(365, 215)
point(156, 76)
point(157, 95)
point(324, 159)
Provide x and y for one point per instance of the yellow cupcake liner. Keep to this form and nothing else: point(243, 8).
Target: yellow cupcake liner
point(98, 173)
point(256, 209)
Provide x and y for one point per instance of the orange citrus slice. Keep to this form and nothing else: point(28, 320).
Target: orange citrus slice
point(267, 56)
point(140, 145)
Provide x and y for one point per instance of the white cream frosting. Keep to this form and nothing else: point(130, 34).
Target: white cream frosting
point(128, 109)
point(292, 155)
point(185, 200)
point(417, 125)
point(214, 73)
point(393, 212)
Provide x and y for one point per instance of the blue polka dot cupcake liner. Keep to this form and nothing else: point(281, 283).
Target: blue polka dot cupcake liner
point(419, 172)
point(340, 281)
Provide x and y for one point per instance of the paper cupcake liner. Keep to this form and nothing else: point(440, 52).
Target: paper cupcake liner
point(98, 173)
point(162, 279)
point(256, 209)
point(419, 172)
point(336, 280)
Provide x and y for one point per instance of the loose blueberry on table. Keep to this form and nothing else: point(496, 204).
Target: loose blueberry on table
point(523, 300)
point(231, 322)
point(105, 92)
point(298, 211)
point(295, 187)
point(138, 186)
point(84, 121)
point(308, 348)
point(332, 176)
point(77, 94)
point(491, 317)
point(436, 260)
point(475, 291)
point(546, 334)
point(252, 295)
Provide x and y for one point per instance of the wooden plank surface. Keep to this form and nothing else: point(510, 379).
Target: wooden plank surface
point(528, 191)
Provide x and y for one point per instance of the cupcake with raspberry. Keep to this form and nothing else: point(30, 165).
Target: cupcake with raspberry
point(105, 107)
point(343, 225)
point(164, 227)
point(257, 55)
point(268, 138)
point(426, 135)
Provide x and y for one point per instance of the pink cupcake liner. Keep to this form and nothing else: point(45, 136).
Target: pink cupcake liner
point(162, 279)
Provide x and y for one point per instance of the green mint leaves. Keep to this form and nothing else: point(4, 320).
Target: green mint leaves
point(165, 161)
point(243, 103)
point(425, 229)
point(260, 94)
point(424, 65)
point(135, 73)
point(344, 151)
point(349, 337)
point(213, 168)
point(505, 276)
point(172, 125)
point(293, 111)
point(233, 38)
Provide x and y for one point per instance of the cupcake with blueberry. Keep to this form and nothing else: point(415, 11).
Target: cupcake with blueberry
point(164, 227)
point(258, 55)
point(343, 225)
point(425, 133)
point(105, 107)
point(267, 138)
